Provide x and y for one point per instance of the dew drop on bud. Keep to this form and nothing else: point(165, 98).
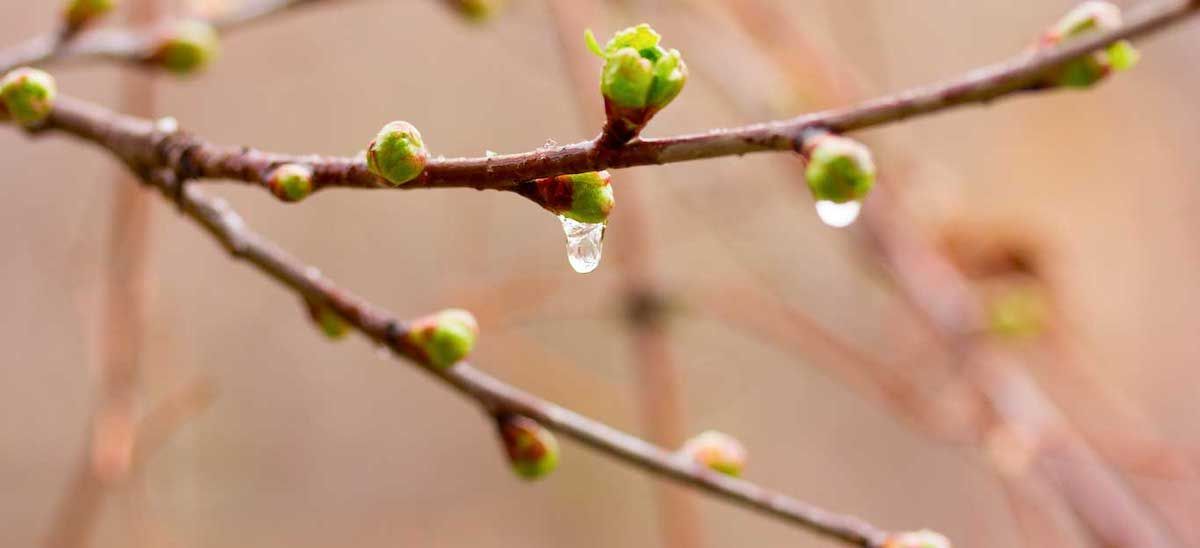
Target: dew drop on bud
point(585, 242)
point(838, 215)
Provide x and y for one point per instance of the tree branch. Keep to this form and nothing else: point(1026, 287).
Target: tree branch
point(215, 216)
point(191, 157)
point(125, 45)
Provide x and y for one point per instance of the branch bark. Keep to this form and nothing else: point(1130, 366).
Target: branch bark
point(494, 395)
point(190, 157)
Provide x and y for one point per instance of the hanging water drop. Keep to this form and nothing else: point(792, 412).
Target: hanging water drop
point(838, 215)
point(585, 242)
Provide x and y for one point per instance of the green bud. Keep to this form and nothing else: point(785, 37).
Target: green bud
point(531, 448)
point(584, 197)
point(639, 77)
point(79, 13)
point(717, 451)
point(291, 182)
point(477, 11)
point(1018, 313)
point(627, 78)
point(917, 539)
point(1087, 18)
point(444, 338)
point(330, 322)
point(839, 169)
point(189, 46)
point(397, 154)
point(28, 95)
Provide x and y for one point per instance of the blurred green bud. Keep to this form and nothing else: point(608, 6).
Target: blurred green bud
point(444, 338)
point(717, 451)
point(1018, 313)
point(397, 153)
point(531, 448)
point(291, 182)
point(187, 47)
point(330, 322)
point(639, 77)
point(917, 539)
point(1087, 18)
point(839, 169)
point(477, 11)
point(584, 197)
point(28, 95)
point(79, 13)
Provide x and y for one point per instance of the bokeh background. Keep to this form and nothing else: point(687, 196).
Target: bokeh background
point(307, 443)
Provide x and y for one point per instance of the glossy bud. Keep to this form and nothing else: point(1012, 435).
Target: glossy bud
point(28, 95)
point(291, 182)
point(445, 338)
point(839, 169)
point(583, 197)
point(639, 77)
point(397, 153)
point(187, 47)
point(79, 13)
point(476, 11)
point(531, 448)
point(1088, 18)
point(330, 322)
point(717, 451)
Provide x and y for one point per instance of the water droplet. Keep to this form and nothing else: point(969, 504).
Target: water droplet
point(166, 124)
point(585, 242)
point(838, 215)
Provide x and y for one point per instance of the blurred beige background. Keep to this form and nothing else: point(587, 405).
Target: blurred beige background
point(313, 444)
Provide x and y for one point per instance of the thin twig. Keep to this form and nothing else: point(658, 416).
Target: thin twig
point(494, 395)
point(196, 158)
point(134, 44)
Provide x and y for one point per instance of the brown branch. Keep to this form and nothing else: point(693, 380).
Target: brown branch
point(133, 45)
point(191, 157)
point(215, 216)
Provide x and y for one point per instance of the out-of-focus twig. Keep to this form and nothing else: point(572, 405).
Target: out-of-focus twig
point(659, 384)
point(940, 294)
point(134, 44)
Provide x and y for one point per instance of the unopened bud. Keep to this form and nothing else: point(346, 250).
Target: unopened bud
point(531, 448)
point(839, 169)
point(717, 451)
point(330, 322)
point(445, 338)
point(397, 153)
point(291, 182)
point(639, 78)
point(1088, 18)
point(476, 11)
point(80, 13)
point(28, 95)
point(188, 46)
point(583, 197)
